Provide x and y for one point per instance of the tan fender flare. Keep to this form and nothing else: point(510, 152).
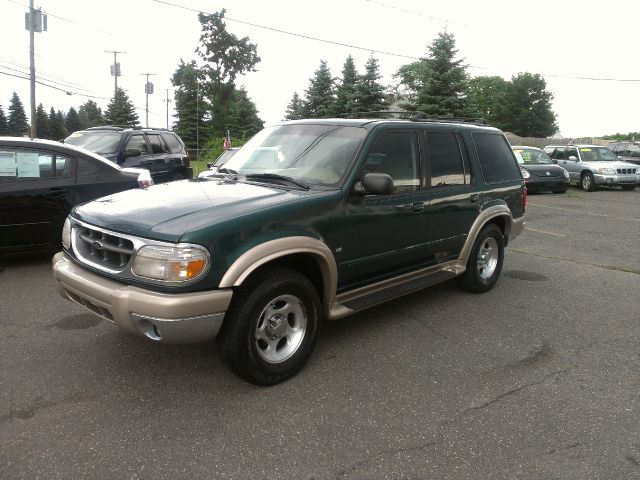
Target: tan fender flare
point(264, 253)
point(483, 218)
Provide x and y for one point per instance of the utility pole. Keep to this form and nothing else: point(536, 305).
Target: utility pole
point(167, 101)
point(115, 68)
point(148, 89)
point(34, 21)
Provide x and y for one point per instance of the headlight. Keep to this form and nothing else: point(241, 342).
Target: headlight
point(525, 172)
point(565, 172)
point(170, 264)
point(607, 171)
point(66, 234)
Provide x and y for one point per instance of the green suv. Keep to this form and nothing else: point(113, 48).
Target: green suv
point(311, 220)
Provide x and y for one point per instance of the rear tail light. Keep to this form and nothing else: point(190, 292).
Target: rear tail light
point(144, 179)
point(524, 198)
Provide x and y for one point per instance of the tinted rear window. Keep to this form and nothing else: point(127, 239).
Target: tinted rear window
point(496, 158)
point(173, 142)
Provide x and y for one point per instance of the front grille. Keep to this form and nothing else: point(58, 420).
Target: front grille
point(626, 171)
point(106, 250)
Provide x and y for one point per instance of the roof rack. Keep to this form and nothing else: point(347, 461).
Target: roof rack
point(108, 127)
point(418, 117)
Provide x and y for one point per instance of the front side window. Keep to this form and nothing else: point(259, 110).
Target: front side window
point(137, 142)
point(571, 152)
point(311, 154)
point(497, 160)
point(397, 155)
point(597, 154)
point(444, 159)
point(23, 165)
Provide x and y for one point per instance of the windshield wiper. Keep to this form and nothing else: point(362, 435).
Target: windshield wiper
point(275, 176)
point(226, 170)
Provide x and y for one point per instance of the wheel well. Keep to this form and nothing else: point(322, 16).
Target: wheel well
point(304, 263)
point(585, 171)
point(500, 222)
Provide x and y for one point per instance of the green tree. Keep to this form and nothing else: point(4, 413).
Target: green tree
point(346, 91)
point(190, 106)
point(295, 109)
point(90, 115)
point(528, 103)
point(437, 84)
point(486, 96)
point(56, 121)
point(42, 122)
point(319, 97)
point(369, 92)
point(243, 120)
point(227, 56)
point(17, 121)
point(120, 111)
point(72, 121)
point(4, 126)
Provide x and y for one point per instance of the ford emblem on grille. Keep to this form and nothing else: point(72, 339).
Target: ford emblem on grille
point(548, 173)
point(97, 245)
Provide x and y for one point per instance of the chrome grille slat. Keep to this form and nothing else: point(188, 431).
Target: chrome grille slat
point(104, 249)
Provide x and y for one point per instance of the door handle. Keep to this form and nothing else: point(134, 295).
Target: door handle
point(474, 197)
point(418, 206)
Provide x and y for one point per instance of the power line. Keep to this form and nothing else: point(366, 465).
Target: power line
point(44, 73)
point(331, 42)
point(68, 92)
point(412, 12)
point(43, 77)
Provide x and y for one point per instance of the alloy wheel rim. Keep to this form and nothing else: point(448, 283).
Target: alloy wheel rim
point(280, 329)
point(586, 182)
point(488, 258)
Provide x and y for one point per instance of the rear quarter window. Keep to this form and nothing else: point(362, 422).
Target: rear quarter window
point(174, 143)
point(496, 158)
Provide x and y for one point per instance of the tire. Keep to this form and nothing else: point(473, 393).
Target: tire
point(587, 182)
point(628, 188)
point(271, 327)
point(485, 261)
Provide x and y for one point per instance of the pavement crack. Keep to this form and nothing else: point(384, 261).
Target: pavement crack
point(567, 447)
point(354, 467)
point(578, 262)
point(30, 410)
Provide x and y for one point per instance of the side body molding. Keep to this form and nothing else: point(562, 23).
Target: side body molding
point(249, 261)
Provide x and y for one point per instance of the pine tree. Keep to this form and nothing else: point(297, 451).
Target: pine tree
point(191, 107)
point(369, 93)
point(437, 84)
point(4, 127)
point(17, 122)
point(56, 121)
point(120, 111)
point(527, 107)
point(346, 91)
point(90, 115)
point(72, 121)
point(319, 96)
point(295, 109)
point(243, 120)
point(43, 126)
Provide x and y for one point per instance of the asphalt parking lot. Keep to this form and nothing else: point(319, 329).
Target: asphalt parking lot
point(537, 379)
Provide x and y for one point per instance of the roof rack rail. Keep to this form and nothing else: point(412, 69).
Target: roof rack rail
point(378, 113)
point(108, 127)
point(417, 117)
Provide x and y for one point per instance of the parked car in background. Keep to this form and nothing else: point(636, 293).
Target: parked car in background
point(594, 165)
point(158, 150)
point(314, 220)
point(40, 181)
point(224, 157)
point(626, 151)
point(539, 171)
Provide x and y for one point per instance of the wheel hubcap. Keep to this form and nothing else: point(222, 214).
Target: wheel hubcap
point(586, 182)
point(280, 329)
point(488, 258)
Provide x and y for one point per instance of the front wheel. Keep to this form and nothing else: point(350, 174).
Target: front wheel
point(587, 182)
point(628, 188)
point(485, 261)
point(271, 327)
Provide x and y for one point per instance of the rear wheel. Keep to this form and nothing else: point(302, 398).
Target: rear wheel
point(271, 327)
point(587, 182)
point(628, 188)
point(485, 261)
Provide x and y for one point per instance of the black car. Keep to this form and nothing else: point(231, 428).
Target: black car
point(40, 181)
point(158, 150)
point(627, 151)
point(540, 173)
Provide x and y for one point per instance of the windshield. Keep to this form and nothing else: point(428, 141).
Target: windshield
point(531, 156)
point(310, 154)
point(597, 154)
point(103, 143)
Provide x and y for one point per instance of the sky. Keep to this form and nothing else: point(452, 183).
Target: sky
point(560, 40)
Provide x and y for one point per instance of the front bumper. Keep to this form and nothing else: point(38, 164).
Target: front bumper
point(535, 184)
point(162, 317)
point(616, 179)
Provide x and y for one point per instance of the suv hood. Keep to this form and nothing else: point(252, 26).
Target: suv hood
point(167, 211)
point(615, 165)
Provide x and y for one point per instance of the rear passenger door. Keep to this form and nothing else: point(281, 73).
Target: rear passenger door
point(453, 201)
point(160, 158)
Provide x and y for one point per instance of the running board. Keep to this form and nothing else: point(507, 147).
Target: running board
point(360, 299)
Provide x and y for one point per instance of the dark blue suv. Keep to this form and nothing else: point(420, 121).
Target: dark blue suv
point(158, 150)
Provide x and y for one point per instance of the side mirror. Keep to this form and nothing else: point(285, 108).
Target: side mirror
point(572, 158)
point(554, 160)
point(132, 152)
point(375, 184)
point(619, 157)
